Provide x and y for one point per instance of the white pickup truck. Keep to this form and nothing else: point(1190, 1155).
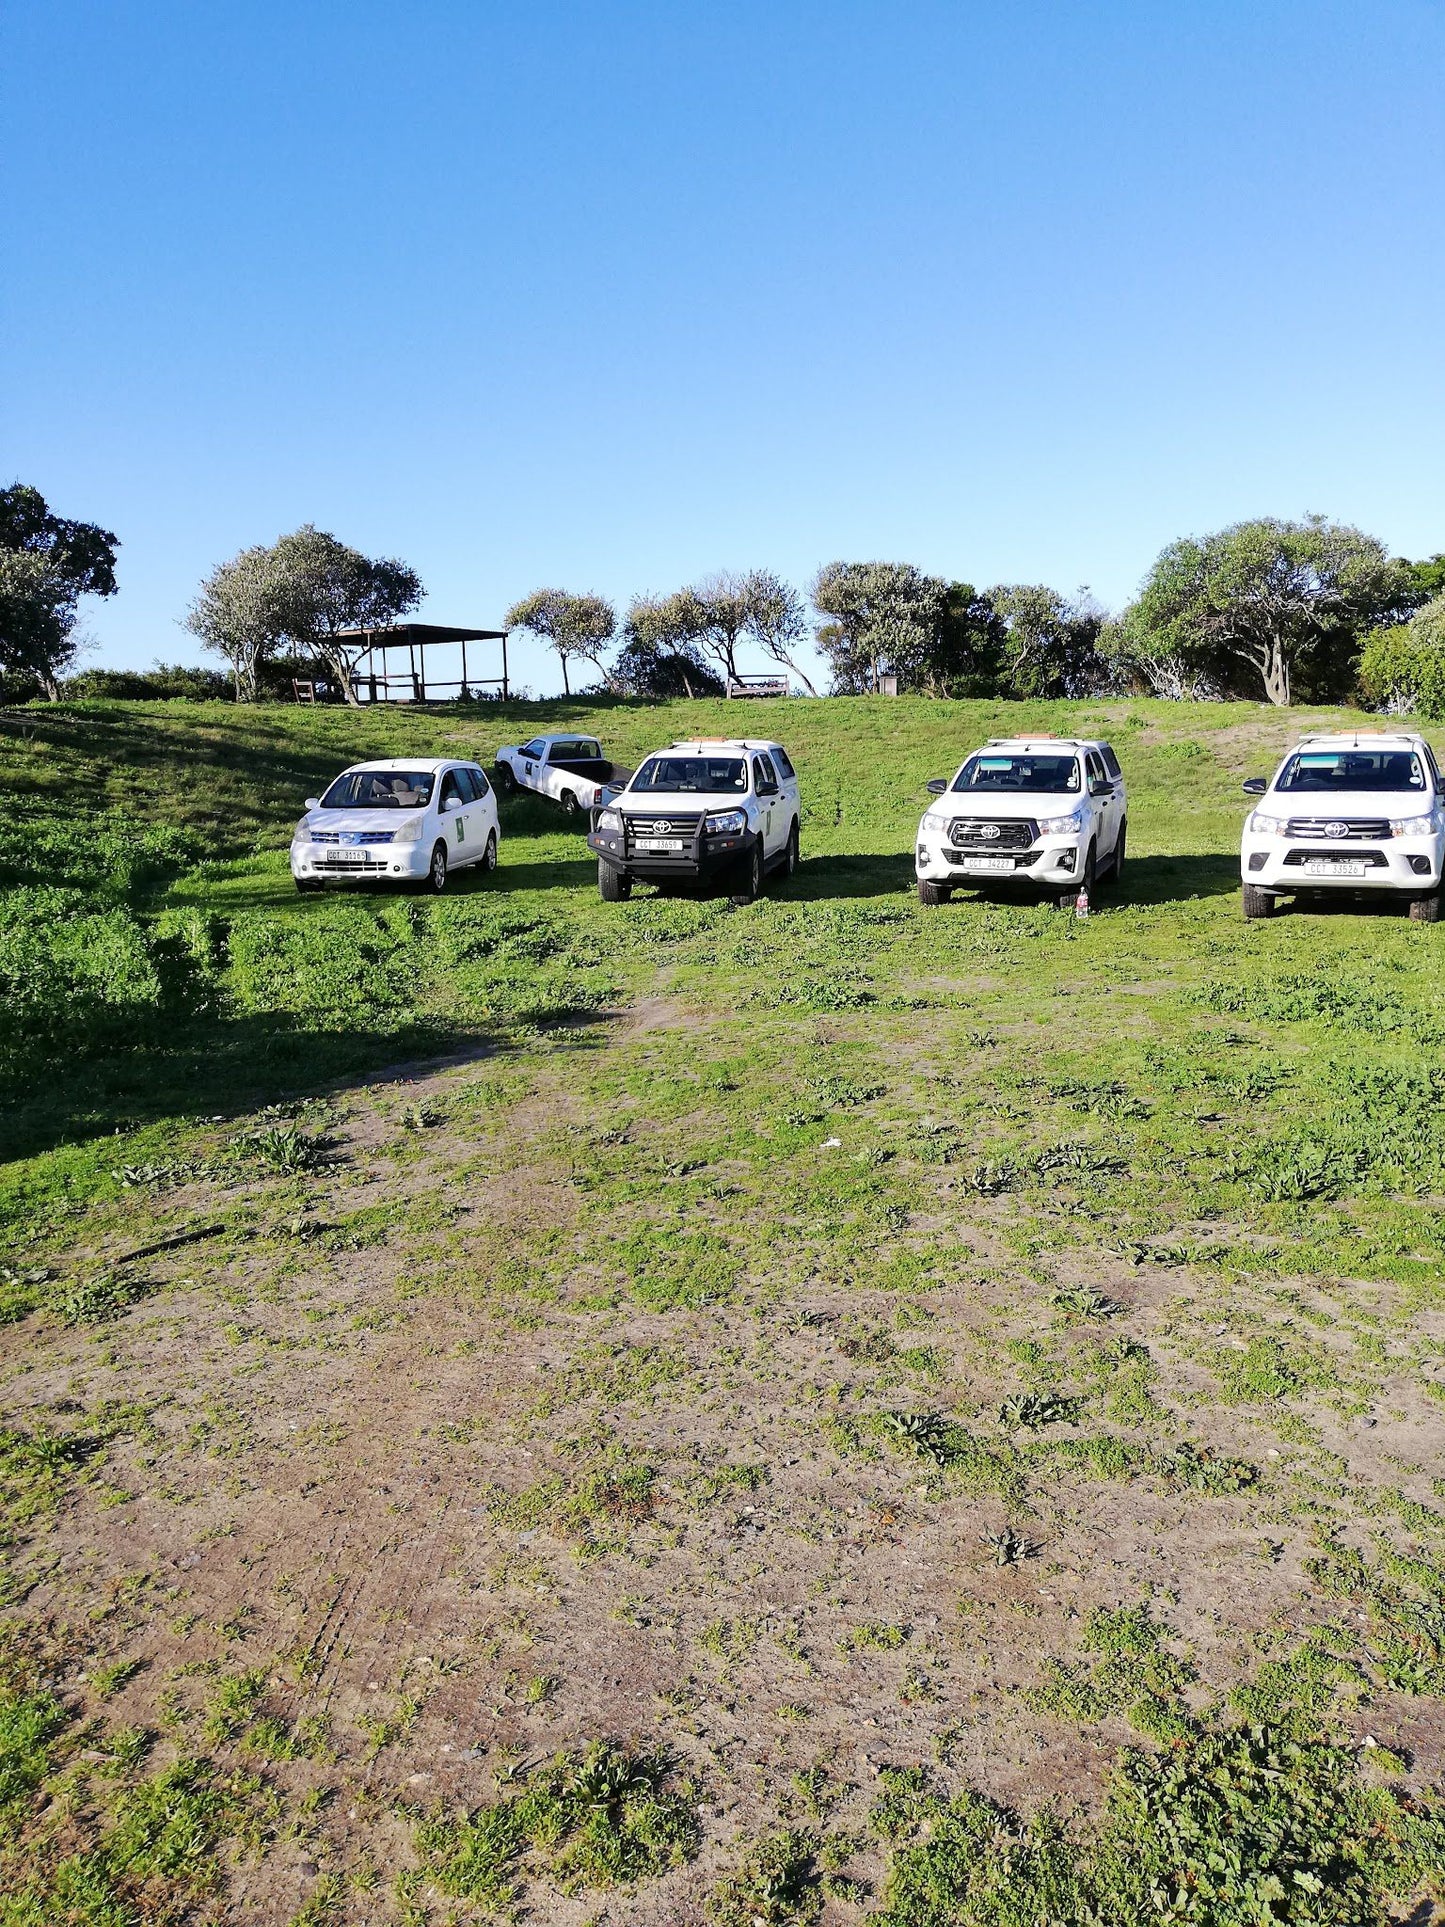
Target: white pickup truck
point(570, 769)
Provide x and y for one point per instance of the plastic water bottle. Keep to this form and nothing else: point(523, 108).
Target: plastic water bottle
point(1081, 904)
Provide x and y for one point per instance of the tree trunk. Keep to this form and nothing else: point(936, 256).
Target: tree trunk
point(1276, 675)
point(802, 675)
point(566, 686)
point(50, 686)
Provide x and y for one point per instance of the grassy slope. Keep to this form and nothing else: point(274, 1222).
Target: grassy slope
point(1180, 1175)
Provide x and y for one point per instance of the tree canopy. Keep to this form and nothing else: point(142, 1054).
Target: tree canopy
point(301, 594)
point(576, 626)
point(47, 563)
point(1264, 607)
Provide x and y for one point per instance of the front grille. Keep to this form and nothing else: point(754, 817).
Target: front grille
point(352, 837)
point(349, 865)
point(1368, 829)
point(663, 825)
point(989, 834)
point(1372, 859)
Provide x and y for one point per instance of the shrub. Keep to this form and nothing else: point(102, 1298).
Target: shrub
point(166, 682)
point(1403, 668)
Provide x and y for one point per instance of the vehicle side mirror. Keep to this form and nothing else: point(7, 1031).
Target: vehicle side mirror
point(313, 802)
point(936, 785)
point(1255, 785)
point(1440, 784)
point(1100, 788)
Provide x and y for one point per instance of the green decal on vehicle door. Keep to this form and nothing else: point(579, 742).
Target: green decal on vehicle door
point(459, 829)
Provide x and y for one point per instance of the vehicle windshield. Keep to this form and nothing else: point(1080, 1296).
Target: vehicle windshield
point(380, 789)
point(1032, 775)
point(707, 775)
point(1353, 769)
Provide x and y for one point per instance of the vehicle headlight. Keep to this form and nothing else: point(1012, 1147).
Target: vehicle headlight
point(1263, 825)
point(302, 831)
point(610, 820)
point(1062, 825)
point(935, 820)
point(1413, 826)
point(726, 823)
point(410, 831)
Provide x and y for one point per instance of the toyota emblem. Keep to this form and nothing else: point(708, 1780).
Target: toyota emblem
point(662, 826)
point(1337, 829)
point(989, 831)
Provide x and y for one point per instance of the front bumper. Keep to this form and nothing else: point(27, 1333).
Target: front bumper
point(1052, 860)
point(1284, 865)
point(704, 858)
point(379, 863)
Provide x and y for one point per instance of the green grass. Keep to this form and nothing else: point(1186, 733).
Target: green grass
point(739, 1254)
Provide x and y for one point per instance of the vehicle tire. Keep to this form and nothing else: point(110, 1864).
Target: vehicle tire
point(933, 892)
point(489, 855)
point(1259, 903)
point(506, 781)
point(790, 861)
point(1425, 909)
point(436, 876)
point(570, 805)
point(1116, 863)
point(307, 884)
point(750, 883)
point(612, 886)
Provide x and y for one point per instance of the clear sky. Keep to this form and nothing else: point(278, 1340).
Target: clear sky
point(609, 296)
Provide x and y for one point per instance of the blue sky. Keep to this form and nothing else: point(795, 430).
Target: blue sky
point(610, 296)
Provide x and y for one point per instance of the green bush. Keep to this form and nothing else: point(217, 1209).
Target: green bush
point(1404, 668)
point(166, 682)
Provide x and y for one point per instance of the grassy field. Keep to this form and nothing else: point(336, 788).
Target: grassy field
point(815, 1411)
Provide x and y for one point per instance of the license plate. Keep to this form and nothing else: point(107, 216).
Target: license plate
point(670, 844)
point(1333, 867)
point(988, 865)
point(346, 856)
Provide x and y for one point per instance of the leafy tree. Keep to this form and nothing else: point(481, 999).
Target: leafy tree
point(777, 621)
point(37, 620)
point(580, 626)
point(884, 615)
point(1402, 667)
point(1265, 606)
point(304, 593)
point(1049, 644)
point(659, 656)
point(47, 563)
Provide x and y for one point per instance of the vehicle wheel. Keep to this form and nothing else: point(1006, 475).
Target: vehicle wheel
point(570, 805)
point(1425, 909)
point(307, 884)
point(506, 781)
point(612, 886)
point(1116, 866)
point(1259, 903)
point(933, 892)
point(750, 888)
point(489, 855)
point(436, 876)
point(790, 862)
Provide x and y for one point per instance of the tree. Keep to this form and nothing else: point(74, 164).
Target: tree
point(884, 615)
point(47, 564)
point(777, 621)
point(1265, 606)
point(574, 625)
point(1049, 644)
point(304, 593)
point(37, 619)
point(1402, 667)
point(660, 656)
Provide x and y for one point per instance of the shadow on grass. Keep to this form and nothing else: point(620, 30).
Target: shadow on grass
point(1173, 879)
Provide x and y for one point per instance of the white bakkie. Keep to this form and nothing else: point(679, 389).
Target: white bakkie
point(698, 811)
point(571, 769)
point(1048, 811)
point(410, 819)
point(1355, 811)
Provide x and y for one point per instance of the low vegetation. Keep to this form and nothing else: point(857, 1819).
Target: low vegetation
point(822, 1410)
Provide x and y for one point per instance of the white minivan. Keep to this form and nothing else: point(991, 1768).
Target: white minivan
point(407, 819)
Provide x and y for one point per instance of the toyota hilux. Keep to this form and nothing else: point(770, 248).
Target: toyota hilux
point(697, 812)
point(1050, 812)
point(1354, 812)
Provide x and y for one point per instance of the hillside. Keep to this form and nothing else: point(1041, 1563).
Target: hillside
point(867, 1373)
